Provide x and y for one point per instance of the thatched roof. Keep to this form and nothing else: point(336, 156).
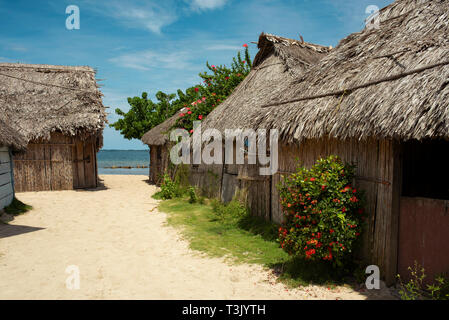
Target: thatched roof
point(391, 82)
point(159, 135)
point(40, 99)
point(278, 62)
point(11, 138)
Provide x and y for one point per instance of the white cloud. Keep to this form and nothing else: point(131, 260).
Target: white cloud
point(148, 59)
point(150, 15)
point(223, 47)
point(207, 4)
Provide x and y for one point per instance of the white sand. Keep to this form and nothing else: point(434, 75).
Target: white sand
point(123, 250)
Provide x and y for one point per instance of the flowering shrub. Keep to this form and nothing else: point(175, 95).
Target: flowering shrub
point(323, 212)
point(216, 87)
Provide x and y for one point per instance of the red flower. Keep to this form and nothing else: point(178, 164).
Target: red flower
point(200, 117)
point(190, 112)
point(191, 131)
point(331, 231)
point(181, 114)
point(245, 45)
point(196, 89)
point(323, 187)
point(312, 179)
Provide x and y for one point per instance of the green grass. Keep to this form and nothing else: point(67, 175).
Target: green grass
point(243, 239)
point(17, 207)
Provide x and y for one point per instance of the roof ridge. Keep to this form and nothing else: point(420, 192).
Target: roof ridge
point(46, 67)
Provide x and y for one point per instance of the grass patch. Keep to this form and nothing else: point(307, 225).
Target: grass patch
point(17, 207)
point(157, 196)
point(207, 233)
point(224, 231)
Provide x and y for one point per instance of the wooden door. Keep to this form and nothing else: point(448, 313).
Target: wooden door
point(423, 236)
point(84, 164)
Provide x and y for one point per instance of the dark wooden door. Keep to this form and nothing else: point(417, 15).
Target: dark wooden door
point(84, 164)
point(423, 235)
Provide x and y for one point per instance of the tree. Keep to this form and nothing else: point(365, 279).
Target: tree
point(200, 100)
point(143, 114)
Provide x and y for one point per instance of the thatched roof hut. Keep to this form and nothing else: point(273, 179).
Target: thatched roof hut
point(390, 82)
point(9, 137)
point(380, 100)
point(158, 140)
point(59, 112)
point(279, 61)
point(41, 99)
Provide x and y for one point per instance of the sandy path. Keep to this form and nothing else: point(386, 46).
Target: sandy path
point(123, 250)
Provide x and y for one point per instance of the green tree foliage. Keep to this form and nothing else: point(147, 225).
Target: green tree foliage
point(144, 114)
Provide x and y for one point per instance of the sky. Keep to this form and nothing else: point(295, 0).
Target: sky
point(149, 46)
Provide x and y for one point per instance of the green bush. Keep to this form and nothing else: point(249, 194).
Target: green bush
point(322, 212)
point(169, 188)
point(192, 195)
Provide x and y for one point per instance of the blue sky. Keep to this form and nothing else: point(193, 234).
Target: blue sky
point(149, 45)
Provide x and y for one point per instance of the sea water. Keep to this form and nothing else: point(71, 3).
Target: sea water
point(123, 158)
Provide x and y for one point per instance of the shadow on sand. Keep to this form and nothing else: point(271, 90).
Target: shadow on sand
point(100, 187)
point(9, 230)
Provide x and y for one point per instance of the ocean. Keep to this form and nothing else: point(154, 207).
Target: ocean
point(123, 158)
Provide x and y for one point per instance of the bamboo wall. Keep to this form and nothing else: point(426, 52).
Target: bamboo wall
point(376, 162)
point(378, 173)
point(61, 163)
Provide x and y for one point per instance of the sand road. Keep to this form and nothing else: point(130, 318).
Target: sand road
point(118, 241)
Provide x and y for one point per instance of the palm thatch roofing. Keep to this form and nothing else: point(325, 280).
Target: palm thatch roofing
point(9, 137)
point(390, 82)
point(159, 135)
point(279, 61)
point(41, 99)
